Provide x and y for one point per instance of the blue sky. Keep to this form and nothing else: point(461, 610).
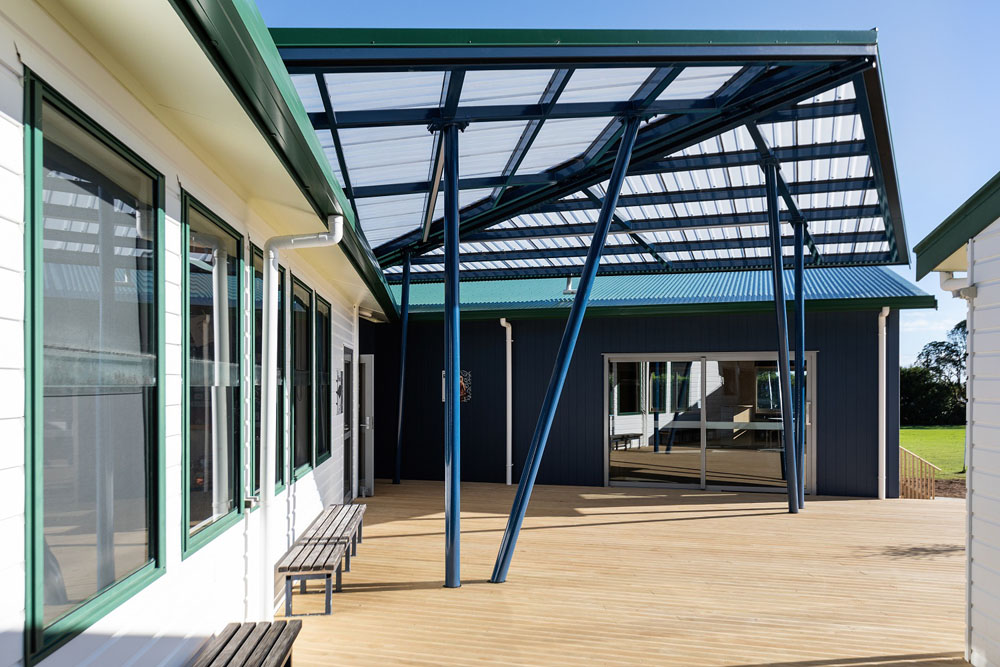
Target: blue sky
point(939, 64)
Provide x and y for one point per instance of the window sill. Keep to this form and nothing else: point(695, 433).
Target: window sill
point(193, 543)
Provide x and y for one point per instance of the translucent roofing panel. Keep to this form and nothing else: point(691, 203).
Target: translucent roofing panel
point(560, 140)
point(393, 154)
point(600, 84)
point(385, 218)
point(494, 87)
point(485, 148)
point(384, 90)
point(308, 90)
point(698, 83)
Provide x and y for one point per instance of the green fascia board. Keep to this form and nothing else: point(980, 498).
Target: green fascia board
point(431, 37)
point(976, 214)
point(488, 312)
point(233, 35)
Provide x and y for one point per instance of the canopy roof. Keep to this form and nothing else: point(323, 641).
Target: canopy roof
point(544, 112)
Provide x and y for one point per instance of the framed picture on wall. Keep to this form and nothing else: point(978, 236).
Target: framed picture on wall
point(340, 391)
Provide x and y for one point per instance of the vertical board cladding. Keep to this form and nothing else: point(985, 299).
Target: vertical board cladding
point(984, 451)
point(847, 391)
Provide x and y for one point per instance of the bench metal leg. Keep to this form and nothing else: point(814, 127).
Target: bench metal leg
point(361, 527)
point(288, 596)
point(338, 578)
point(329, 595)
point(302, 586)
point(347, 557)
point(354, 545)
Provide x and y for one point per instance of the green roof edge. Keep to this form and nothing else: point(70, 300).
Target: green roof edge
point(305, 37)
point(491, 311)
point(974, 215)
point(233, 35)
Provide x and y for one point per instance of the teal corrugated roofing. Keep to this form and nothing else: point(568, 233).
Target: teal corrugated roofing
point(678, 289)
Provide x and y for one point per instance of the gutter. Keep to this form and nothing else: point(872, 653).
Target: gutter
point(233, 36)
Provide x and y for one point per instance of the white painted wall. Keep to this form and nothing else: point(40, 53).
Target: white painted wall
point(167, 621)
point(983, 452)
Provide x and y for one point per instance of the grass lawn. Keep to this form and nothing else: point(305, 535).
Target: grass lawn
point(941, 445)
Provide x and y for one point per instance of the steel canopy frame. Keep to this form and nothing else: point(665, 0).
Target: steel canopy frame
point(452, 366)
point(777, 80)
point(770, 167)
point(565, 354)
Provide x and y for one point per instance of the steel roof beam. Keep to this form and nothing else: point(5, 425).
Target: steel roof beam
point(698, 265)
point(627, 249)
point(766, 156)
point(553, 89)
point(668, 224)
point(659, 138)
point(636, 239)
point(329, 114)
point(712, 194)
point(666, 165)
point(503, 112)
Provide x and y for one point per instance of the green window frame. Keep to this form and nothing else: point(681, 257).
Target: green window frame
point(192, 542)
point(302, 469)
point(41, 640)
point(323, 379)
point(258, 297)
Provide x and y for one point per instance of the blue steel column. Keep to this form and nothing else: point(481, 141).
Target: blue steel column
point(452, 366)
point(784, 376)
point(565, 354)
point(405, 320)
point(799, 407)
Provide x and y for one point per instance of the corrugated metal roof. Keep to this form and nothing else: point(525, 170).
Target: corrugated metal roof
point(853, 283)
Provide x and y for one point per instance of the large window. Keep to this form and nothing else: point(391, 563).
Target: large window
point(302, 381)
point(94, 370)
point(324, 395)
point(213, 326)
point(258, 323)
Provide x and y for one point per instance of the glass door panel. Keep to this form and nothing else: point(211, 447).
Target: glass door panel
point(654, 422)
point(743, 439)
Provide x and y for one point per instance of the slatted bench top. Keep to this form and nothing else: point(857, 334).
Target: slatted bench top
point(322, 546)
point(251, 645)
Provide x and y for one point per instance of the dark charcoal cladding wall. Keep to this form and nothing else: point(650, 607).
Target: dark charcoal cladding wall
point(847, 418)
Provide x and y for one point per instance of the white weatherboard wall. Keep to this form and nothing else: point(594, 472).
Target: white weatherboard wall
point(166, 622)
point(983, 455)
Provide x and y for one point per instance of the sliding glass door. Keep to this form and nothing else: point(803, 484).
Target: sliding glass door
point(698, 422)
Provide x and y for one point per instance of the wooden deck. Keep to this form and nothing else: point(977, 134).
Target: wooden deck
point(641, 576)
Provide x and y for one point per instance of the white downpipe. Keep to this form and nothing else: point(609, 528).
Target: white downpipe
point(510, 396)
point(881, 401)
point(269, 386)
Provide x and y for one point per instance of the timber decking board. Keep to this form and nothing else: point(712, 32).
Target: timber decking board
point(630, 576)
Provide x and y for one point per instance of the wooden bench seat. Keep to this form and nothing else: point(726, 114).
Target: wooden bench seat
point(251, 645)
point(323, 551)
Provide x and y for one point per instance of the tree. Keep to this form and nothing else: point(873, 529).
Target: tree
point(932, 392)
point(946, 359)
point(926, 401)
